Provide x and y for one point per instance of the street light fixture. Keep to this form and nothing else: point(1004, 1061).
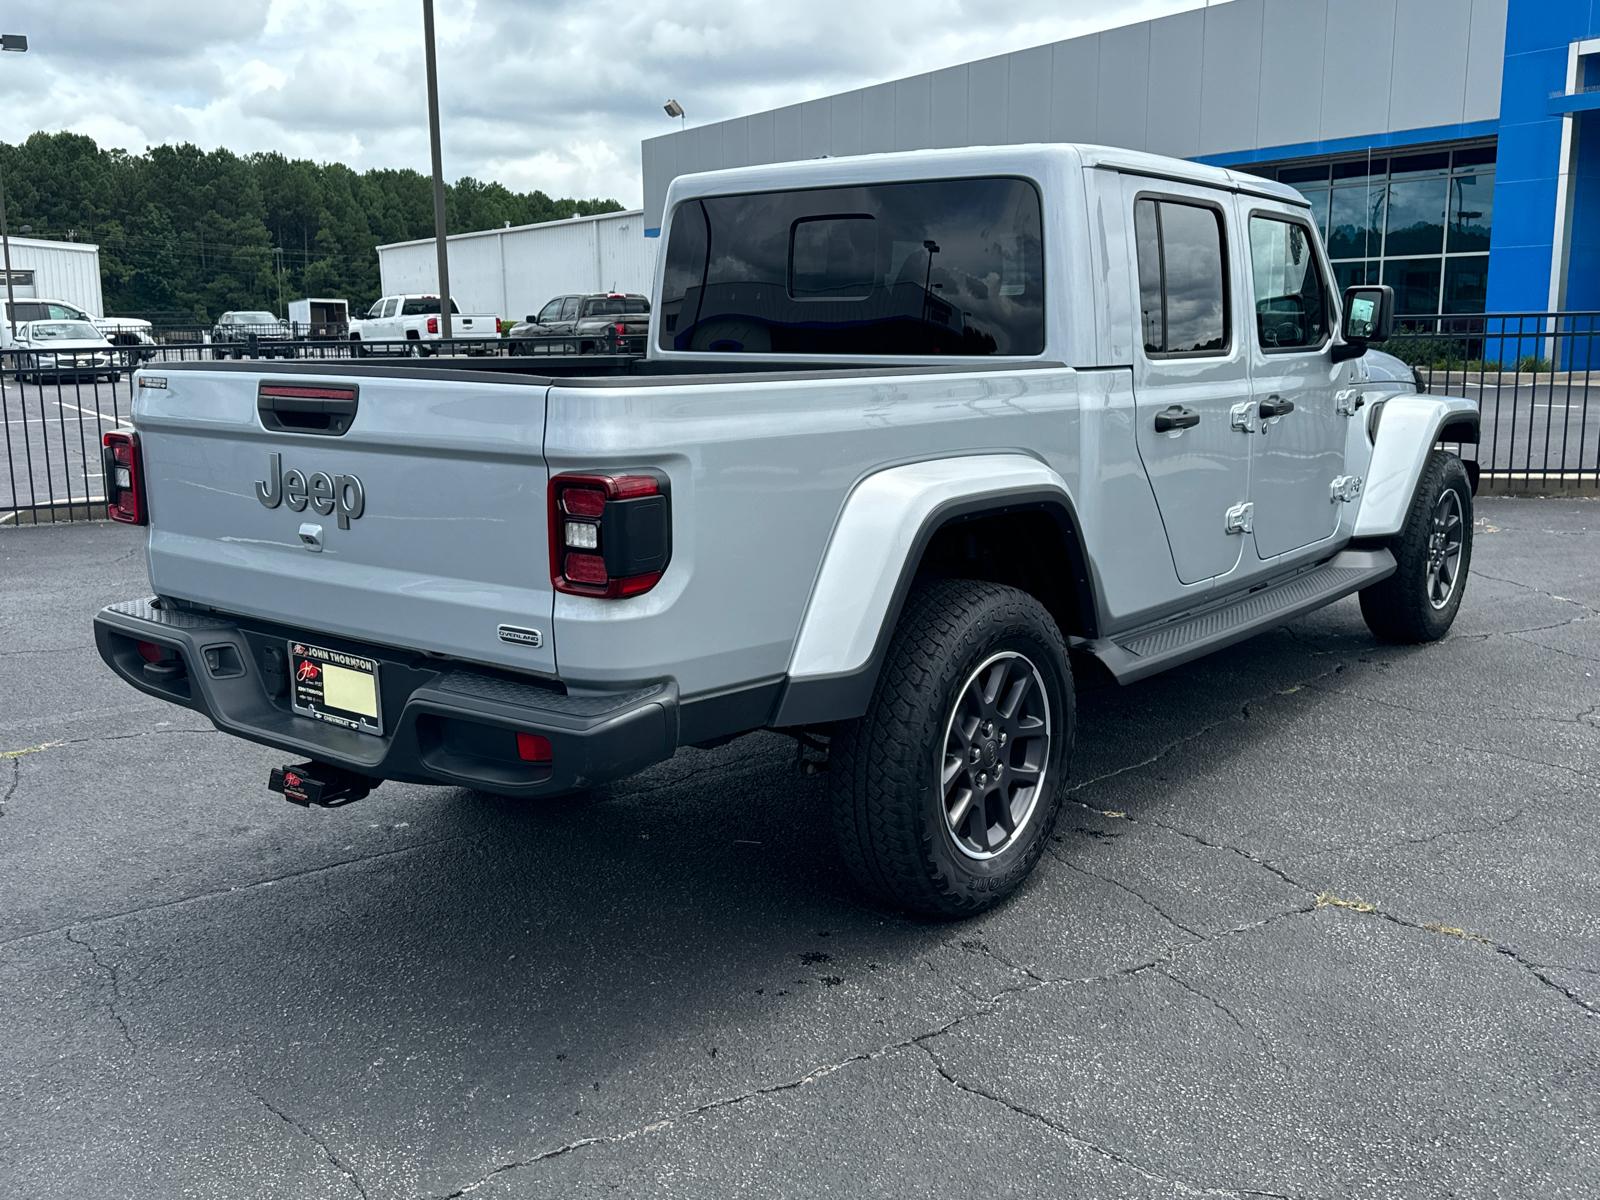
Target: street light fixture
point(674, 109)
point(18, 43)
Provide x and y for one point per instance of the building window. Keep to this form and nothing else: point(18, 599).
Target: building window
point(1418, 222)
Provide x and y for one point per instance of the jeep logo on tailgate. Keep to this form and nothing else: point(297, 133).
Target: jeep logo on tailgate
point(324, 493)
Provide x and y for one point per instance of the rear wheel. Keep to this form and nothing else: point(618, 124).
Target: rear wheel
point(1433, 550)
point(945, 792)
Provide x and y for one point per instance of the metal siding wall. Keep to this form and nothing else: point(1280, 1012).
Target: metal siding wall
point(877, 119)
point(1234, 77)
point(1355, 87)
point(987, 93)
point(736, 142)
point(1075, 90)
point(1292, 41)
point(948, 126)
point(1230, 92)
point(913, 113)
point(60, 274)
point(845, 121)
point(1176, 72)
point(1028, 95)
point(1427, 88)
point(1124, 86)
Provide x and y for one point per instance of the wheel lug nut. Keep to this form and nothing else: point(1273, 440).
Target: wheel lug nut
point(1002, 737)
point(974, 754)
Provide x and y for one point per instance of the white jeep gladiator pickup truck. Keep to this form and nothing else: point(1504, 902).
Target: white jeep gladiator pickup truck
point(917, 436)
point(411, 322)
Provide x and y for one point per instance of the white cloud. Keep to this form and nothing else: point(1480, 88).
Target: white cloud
point(549, 94)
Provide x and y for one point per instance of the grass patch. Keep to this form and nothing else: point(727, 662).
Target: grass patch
point(1328, 899)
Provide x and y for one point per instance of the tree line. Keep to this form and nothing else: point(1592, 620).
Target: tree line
point(187, 234)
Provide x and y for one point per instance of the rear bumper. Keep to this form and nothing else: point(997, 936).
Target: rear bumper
point(444, 723)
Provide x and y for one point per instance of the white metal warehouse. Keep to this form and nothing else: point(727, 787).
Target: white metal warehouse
point(513, 272)
point(48, 270)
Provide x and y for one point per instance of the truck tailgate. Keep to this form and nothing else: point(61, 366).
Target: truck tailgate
point(448, 545)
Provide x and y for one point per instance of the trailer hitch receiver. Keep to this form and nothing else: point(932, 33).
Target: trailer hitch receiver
point(317, 783)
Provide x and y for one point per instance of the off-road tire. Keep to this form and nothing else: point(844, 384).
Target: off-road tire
point(884, 767)
point(1399, 608)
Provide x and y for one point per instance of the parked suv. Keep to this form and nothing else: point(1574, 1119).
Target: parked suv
point(597, 322)
point(233, 332)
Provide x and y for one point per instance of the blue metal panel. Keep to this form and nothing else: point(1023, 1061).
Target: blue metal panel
point(1583, 267)
point(913, 113)
point(845, 137)
point(1028, 95)
point(1075, 90)
point(1292, 39)
point(877, 119)
point(1230, 90)
point(949, 127)
point(1124, 86)
point(1584, 102)
point(1173, 106)
point(1355, 98)
point(1403, 137)
point(1426, 89)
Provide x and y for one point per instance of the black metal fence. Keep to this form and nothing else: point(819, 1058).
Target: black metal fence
point(1529, 374)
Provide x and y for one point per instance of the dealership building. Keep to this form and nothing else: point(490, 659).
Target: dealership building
point(1450, 148)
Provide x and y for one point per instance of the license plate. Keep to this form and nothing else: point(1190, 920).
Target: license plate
point(332, 686)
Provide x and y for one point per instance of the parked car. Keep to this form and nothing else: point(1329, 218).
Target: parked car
point(234, 332)
point(62, 350)
point(597, 322)
point(131, 335)
point(895, 459)
point(409, 323)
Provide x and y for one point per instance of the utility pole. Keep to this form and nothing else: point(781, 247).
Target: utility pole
point(438, 172)
point(18, 43)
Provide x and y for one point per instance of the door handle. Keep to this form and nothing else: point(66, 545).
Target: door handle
point(1177, 417)
point(1275, 406)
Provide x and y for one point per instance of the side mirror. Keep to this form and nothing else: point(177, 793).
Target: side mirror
point(1368, 318)
point(531, 319)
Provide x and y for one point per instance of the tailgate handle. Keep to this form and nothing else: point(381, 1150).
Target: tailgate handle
point(307, 408)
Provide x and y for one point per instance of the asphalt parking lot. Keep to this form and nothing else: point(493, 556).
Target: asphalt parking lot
point(1321, 918)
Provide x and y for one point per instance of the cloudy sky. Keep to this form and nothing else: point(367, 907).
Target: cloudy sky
point(550, 94)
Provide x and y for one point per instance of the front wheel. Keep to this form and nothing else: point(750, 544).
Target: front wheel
point(945, 791)
point(1419, 602)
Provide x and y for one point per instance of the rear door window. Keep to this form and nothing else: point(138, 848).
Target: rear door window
point(941, 267)
point(569, 309)
point(1183, 281)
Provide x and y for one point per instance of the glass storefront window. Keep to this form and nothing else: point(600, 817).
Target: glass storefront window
point(1419, 221)
point(1466, 283)
point(1415, 283)
point(1416, 217)
point(1471, 208)
point(1355, 221)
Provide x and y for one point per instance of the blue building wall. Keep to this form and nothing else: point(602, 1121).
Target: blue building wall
point(1538, 36)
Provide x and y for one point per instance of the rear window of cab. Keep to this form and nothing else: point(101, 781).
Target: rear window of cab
point(944, 267)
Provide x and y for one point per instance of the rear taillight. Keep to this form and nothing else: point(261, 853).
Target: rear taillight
point(123, 467)
point(533, 748)
point(620, 328)
point(610, 535)
point(433, 324)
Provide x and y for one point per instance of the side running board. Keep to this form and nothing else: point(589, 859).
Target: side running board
point(1141, 653)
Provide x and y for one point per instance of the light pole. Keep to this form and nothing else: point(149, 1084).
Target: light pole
point(18, 43)
point(438, 171)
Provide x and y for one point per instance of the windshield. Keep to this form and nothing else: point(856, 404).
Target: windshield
point(254, 318)
point(65, 331)
point(616, 306)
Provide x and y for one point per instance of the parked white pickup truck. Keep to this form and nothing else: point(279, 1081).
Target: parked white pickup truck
point(409, 322)
point(918, 438)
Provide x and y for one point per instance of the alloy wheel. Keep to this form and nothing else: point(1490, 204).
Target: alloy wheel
point(995, 753)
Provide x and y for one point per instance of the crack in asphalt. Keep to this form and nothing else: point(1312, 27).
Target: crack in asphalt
point(16, 780)
point(1083, 1143)
point(1541, 591)
point(1136, 894)
point(116, 991)
point(232, 889)
point(327, 1151)
point(1533, 968)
